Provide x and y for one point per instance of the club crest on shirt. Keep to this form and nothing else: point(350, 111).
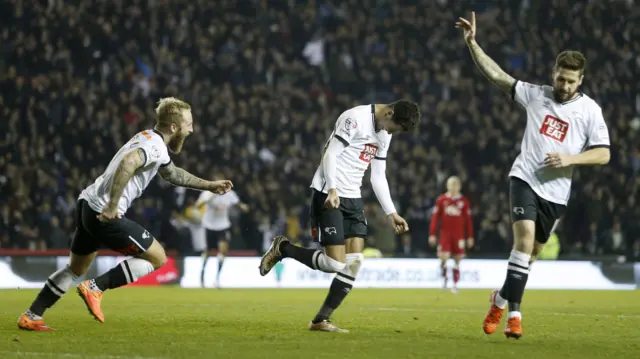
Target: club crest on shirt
point(350, 124)
point(554, 128)
point(155, 152)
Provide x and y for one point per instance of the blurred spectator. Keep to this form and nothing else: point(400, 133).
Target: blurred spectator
point(267, 79)
point(57, 238)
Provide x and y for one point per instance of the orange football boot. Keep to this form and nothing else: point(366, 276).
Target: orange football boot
point(93, 300)
point(514, 328)
point(26, 323)
point(494, 315)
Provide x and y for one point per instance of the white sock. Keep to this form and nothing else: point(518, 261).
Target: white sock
point(93, 286)
point(501, 302)
point(136, 268)
point(325, 263)
point(514, 314)
point(350, 271)
point(520, 259)
point(61, 281)
point(32, 316)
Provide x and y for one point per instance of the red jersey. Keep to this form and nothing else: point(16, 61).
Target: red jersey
point(455, 214)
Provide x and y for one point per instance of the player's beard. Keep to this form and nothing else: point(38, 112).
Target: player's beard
point(175, 144)
point(562, 96)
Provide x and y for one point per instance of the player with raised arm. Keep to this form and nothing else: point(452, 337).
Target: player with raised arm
point(217, 225)
point(361, 136)
point(565, 128)
point(100, 209)
point(452, 216)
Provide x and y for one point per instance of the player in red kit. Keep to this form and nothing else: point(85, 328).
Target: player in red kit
point(452, 213)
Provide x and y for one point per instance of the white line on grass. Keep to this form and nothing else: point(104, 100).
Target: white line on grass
point(21, 354)
point(445, 310)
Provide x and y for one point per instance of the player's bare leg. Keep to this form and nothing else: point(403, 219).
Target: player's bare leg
point(341, 285)
point(456, 272)
point(444, 257)
point(223, 250)
point(537, 248)
point(55, 287)
point(126, 272)
point(205, 258)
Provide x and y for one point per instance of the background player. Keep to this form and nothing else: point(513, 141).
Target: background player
point(101, 207)
point(192, 219)
point(361, 135)
point(564, 128)
point(452, 215)
point(217, 225)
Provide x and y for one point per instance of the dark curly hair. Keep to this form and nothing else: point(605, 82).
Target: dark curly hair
point(406, 114)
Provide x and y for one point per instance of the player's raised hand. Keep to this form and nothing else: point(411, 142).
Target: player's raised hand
point(399, 224)
point(557, 160)
point(220, 187)
point(108, 213)
point(332, 201)
point(469, 27)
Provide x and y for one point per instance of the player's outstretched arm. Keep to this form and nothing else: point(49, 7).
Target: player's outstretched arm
point(487, 66)
point(126, 169)
point(179, 177)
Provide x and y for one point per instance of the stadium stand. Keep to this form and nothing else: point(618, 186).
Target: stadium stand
point(267, 79)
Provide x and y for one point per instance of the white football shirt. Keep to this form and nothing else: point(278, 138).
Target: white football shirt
point(356, 129)
point(156, 155)
point(216, 213)
point(570, 127)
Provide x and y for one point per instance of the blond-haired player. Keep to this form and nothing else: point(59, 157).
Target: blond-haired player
point(101, 206)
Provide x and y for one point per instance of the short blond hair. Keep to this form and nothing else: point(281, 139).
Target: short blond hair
point(169, 111)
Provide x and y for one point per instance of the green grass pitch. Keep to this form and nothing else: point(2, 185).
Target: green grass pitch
point(170, 322)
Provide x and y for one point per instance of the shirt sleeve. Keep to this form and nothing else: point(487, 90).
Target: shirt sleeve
point(155, 152)
point(524, 92)
point(346, 127)
point(385, 142)
point(435, 217)
point(330, 160)
point(234, 199)
point(598, 133)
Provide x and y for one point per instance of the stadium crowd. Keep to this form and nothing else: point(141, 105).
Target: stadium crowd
point(267, 80)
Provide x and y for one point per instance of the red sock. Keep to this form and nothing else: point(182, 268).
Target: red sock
point(443, 267)
point(456, 275)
